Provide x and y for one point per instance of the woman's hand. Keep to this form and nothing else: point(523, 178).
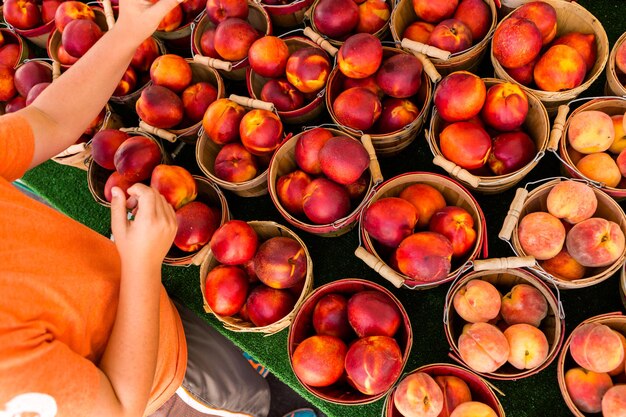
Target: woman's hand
point(149, 236)
point(140, 18)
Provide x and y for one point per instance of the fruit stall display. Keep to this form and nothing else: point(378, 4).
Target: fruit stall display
point(352, 90)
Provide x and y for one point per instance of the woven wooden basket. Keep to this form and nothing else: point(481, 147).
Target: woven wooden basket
point(54, 41)
point(571, 17)
point(617, 322)
point(257, 17)
point(507, 6)
point(301, 328)
point(622, 285)
point(558, 137)
point(455, 194)
point(527, 202)
point(39, 35)
point(128, 101)
point(265, 230)
point(536, 125)
point(212, 196)
point(480, 389)
point(614, 86)
point(387, 144)
point(189, 134)
point(287, 15)
point(311, 109)
point(553, 326)
point(404, 14)
point(284, 162)
point(380, 33)
point(207, 150)
point(97, 176)
point(11, 37)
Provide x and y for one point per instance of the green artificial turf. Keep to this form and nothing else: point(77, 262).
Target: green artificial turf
point(333, 259)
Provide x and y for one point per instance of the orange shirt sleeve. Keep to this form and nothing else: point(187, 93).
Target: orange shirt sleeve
point(17, 146)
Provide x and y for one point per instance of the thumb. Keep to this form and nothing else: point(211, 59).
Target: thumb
point(118, 211)
point(162, 7)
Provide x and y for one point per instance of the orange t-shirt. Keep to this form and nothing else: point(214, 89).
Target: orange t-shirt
point(59, 284)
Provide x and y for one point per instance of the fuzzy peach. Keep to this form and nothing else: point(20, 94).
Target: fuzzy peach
point(586, 388)
point(596, 347)
point(572, 201)
point(541, 235)
point(477, 301)
point(614, 401)
point(591, 131)
point(524, 304)
point(455, 392)
point(595, 242)
point(483, 347)
point(563, 266)
point(619, 141)
point(473, 409)
point(599, 166)
point(418, 395)
point(619, 370)
point(528, 346)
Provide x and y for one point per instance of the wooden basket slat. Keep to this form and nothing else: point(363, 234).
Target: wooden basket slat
point(571, 17)
point(265, 230)
point(536, 125)
point(613, 85)
point(552, 326)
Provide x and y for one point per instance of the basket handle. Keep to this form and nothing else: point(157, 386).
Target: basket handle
point(375, 172)
point(428, 50)
point(75, 155)
point(456, 171)
point(56, 69)
point(557, 127)
point(504, 263)
point(213, 63)
point(428, 67)
point(320, 41)
point(199, 257)
point(252, 103)
point(379, 266)
point(512, 216)
point(162, 133)
point(108, 13)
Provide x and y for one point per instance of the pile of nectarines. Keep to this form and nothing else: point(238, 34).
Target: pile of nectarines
point(450, 25)
point(375, 87)
point(248, 139)
point(420, 394)
point(20, 86)
point(230, 35)
point(525, 44)
point(354, 341)
point(595, 380)
point(29, 14)
point(181, 15)
point(499, 329)
point(596, 143)
point(484, 128)
point(138, 72)
point(569, 238)
point(173, 99)
point(420, 233)
point(338, 19)
point(76, 24)
point(292, 78)
point(331, 178)
point(259, 282)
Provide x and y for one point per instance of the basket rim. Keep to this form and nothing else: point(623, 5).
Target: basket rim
point(611, 73)
point(548, 96)
point(286, 320)
point(530, 279)
point(370, 285)
point(583, 282)
point(481, 244)
point(609, 100)
point(343, 224)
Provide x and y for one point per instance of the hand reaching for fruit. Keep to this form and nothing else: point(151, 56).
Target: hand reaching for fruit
point(147, 12)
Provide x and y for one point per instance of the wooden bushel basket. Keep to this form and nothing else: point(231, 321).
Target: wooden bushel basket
point(257, 17)
point(39, 35)
point(380, 33)
point(508, 6)
point(613, 85)
point(558, 137)
point(553, 325)
point(12, 37)
point(265, 230)
point(97, 176)
point(455, 194)
point(571, 17)
point(199, 72)
point(385, 144)
point(287, 15)
point(207, 150)
point(480, 389)
point(404, 14)
point(622, 286)
point(283, 162)
point(536, 125)
point(527, 202)
point(302, 328)
point(212, 196)
point(311, 109)
point(617, 322)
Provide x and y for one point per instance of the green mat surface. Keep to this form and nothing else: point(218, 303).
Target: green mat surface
point(333, 258)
